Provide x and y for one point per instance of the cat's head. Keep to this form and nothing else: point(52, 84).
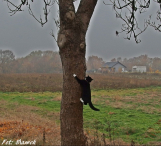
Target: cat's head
point(89, 79)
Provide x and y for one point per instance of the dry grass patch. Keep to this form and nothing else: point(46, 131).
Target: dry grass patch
point(21, 122)
point(95, 100)
point(57, 98)
point(149, 109)
point(28, 132)
point(30, 98)
point(53, 82)
point(118, 104)
point(107, 102)
point(117, 98)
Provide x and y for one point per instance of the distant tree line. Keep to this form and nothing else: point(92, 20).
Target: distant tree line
point(49, 62)
point(39, 62)
point(94, 62)
point(35, 62)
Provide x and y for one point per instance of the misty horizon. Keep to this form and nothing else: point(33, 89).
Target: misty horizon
point(25, 35)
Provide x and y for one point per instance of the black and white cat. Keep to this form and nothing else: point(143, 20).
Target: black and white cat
point(86, 91)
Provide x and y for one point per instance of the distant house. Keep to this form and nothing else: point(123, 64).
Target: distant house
point(113, 67)
point(139, 69)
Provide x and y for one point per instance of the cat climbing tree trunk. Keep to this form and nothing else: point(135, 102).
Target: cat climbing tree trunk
point(72, 46)
point(73, 61)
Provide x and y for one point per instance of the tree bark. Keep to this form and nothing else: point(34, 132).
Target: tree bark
point(72, 46)
point(71, 115)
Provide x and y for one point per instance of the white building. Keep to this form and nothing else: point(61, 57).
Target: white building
point(139, 69)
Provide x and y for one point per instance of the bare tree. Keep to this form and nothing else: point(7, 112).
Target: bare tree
point(72, 47)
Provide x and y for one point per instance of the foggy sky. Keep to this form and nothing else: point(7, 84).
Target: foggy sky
point(22, 34)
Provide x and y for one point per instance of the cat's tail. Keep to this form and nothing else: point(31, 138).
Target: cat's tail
point(92, 107)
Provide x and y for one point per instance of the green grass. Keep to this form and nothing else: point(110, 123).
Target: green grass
point(130, 114)
point(127, 124)
point(43, 100)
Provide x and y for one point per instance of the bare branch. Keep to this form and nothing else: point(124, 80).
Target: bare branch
point(52, 34)
point(48, 4)
point(156, 24)
point(126, 10)
point(46, 9)
point(14, 8)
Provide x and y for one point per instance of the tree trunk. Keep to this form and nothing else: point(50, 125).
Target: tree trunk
point(73, 62)
point(71, 115)
point(72, 46)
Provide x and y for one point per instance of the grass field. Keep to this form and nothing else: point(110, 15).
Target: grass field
point(129, 115)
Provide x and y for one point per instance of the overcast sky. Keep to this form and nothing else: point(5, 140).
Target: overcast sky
point(22, 34)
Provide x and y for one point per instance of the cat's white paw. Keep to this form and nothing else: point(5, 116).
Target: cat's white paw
point(81, 100)
point(74, 75)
